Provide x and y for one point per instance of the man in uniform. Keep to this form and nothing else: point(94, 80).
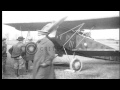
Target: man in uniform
point(4, 55)
point(43, 66)
point(15, 52)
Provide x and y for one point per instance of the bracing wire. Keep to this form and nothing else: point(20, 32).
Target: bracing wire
point(71, 38)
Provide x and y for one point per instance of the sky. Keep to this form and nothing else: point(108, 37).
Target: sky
point(45, 16)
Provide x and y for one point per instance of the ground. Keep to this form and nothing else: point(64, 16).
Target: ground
point(91, 69)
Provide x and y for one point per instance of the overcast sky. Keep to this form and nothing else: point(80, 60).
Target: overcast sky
point(44, 16)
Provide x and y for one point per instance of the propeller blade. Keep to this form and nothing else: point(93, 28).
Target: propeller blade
point(56, 24)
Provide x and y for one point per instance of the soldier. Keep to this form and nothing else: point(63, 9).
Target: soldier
point(43, 66)
point(15, 52)
point(4, 55)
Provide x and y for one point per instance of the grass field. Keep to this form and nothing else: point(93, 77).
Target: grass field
point(92, 68)
point(112, 43)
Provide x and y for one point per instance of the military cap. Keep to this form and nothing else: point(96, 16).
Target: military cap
point(20, 38)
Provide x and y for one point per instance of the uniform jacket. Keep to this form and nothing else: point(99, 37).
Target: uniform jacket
point(15, 50)
point(45, 54)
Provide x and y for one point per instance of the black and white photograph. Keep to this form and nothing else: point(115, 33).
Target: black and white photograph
point(60, 45)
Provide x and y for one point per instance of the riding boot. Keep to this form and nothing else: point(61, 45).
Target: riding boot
point(26, 65)
point(17, 72)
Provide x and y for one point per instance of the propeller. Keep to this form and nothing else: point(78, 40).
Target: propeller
point(56, 24)
point(51, 27)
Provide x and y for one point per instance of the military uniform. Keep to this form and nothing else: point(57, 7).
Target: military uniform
point(45, 54)
point(16, 52)
point(4, 55)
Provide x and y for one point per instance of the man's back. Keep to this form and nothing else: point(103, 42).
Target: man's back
point(16, 49)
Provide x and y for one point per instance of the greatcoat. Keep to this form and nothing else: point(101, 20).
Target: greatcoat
point(45, 54)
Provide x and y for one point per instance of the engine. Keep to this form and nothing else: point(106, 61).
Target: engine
point(29, 50)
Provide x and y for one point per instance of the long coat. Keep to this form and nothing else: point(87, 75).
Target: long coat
point(44, 54)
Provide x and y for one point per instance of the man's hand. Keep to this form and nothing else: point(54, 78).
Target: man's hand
point(43, 64)
point(56, 55)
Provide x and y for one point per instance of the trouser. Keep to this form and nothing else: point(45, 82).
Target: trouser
point(16, 66)
point(18, 63)
point(27, 65)
point(4, 64)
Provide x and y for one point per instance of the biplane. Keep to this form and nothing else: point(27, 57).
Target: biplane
point(70, 38)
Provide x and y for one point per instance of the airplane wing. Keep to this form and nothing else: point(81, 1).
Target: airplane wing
point(28, 26)
point(96, 24)
point(101, 23)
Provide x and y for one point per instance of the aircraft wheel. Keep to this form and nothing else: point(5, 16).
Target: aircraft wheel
point(76, 65)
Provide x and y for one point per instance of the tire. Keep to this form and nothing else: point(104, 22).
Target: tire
point(76, 65)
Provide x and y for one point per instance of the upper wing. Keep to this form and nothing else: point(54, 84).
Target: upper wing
point(101, 23)
point(28, 26)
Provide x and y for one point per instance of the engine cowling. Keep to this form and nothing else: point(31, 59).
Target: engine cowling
point(31, 48)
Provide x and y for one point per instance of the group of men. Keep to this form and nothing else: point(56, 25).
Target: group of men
point(43, 59)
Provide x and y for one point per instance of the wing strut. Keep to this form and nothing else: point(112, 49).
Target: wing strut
point(83, 37)
point(80, 26)
point(21, 31)
point(70, 30)
point(74, 34)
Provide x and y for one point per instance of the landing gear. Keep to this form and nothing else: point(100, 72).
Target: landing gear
point(76, 65)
